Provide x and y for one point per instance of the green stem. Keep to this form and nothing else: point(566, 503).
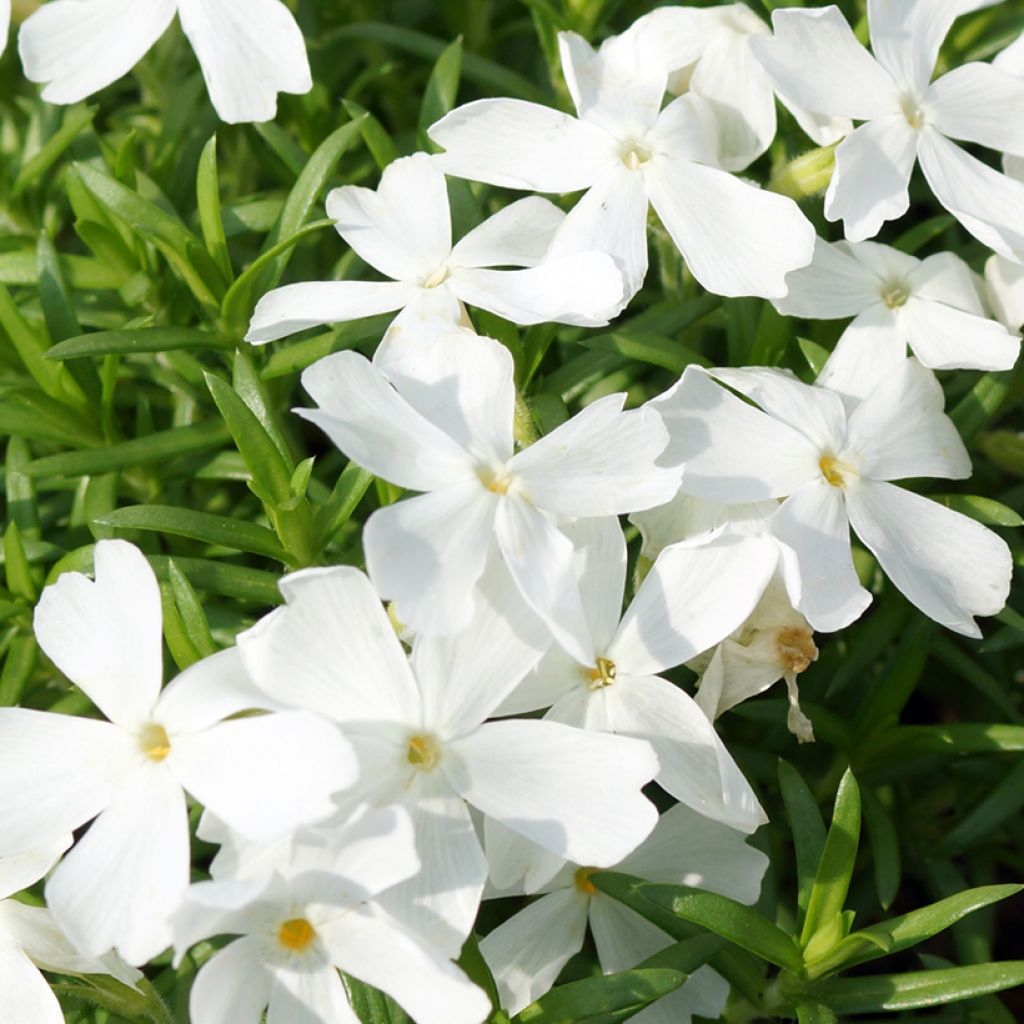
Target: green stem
point(524, 430)
point(805, 175)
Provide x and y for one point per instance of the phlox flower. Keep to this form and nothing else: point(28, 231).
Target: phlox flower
point(934, 306)
point(264, 774)
point(446, 430)
point(628, 154)
point(249, 50)
point(317, 911)
point(30, 940)
point(833, 463)
point(695, 595)
point(419, 726)
point(527, 952)
point(815, 59)
point(5, 24)
point(403, 229)
point(706, 50)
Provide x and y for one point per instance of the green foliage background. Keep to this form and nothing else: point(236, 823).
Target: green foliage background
point(133, 246)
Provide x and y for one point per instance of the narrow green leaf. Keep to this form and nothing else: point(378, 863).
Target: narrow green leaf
point(686, 955)
point(472, 961)
point(27, 413)
point(31, 348)
point(998, 806)
point(814, 353)
point(16, 567)
point(655, 349)
point(807, 828)
point(373, 1007)
point(75, 120)
point(82, 272)
point(353, 483)
point(191, 610)
point(442, 86)
point(668, 905)
point(974, 411)
point(984, 510)
point(200, 526)
point(894, 992)
point(377, 140)
point(208, 200)
point(815, 1013)
point(19, 664)
point(19, 489)
point(138, 340)
point(603, 1000)
point(221, 578)
point(885, 848)
point(832, 879)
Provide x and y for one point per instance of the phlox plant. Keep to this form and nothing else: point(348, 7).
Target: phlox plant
point(510, 511)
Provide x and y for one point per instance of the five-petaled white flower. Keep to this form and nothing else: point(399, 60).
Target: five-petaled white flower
point(834, 466)
point(447, 429)
point(695, 595)
point(816, 60)
point(419, 728)
point(629, 153)
point(249, 50)
point(30, 940)
point(528, 950)
point(403, 229)
point(933, 306)
point(316, 911)
point(264, 774)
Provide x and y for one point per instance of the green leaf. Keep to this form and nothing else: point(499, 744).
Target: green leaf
point(234, 581)
point(353, 483)
point(832, 879)
point(885, 848)
point(16, 567)
point(139, 451)
point(76, 119)
point(208, 200)
point(442, 87)
point(974, 411)
point(373, 1007)
point(815, 1013)
point(472, 961)
point(807, 828)
point(200, 526)
point(686, 955)
point(668, 906)
point(27, 413)
point(603, 1000)
point(136, 341)
point(377, 140)
point(894, 992)
point(814, 353)
point(655, 349)
point(1001, 804)
point(984, 510)
point(191, 610)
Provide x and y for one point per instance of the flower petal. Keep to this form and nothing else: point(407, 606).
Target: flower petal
point(1004, 288)
point(24, 869)
point(834, 285)
point(812, 524)
point(901, 431)
point(731, 451)
point(518, 235)
point(527, 952)
point(76, 49)
point(122, 881)
point(701, 206)
point(695, 767)
point(362, 413)
point(309, 994)
point(694, 596)
point(521, 145)
point(943, 338)
point(573, 792)
point(105, 634)
point(249, 50)
point(816, 62)
point(975, 103)
point(871, 179)
point(428, 553)
point(403, 229)
point(233, 986)
point(59, 772)
point(26, 996)
point(870, 349)
point(950, 567)
point(295, 307)
point(332, 650)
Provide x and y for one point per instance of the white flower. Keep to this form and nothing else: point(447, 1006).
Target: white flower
point(629, 153)
point(527, 952)
point(833, 467)
point(30, 940)
point(264, 775)
point(934, 306)
point(249, 50)
point(319, 911)
point(419, 727)
point(5, 23)
point(815, 59)
point(695, 595)
point(706, 50)
point(403, 229)
point(447, 430)
point(775, 643)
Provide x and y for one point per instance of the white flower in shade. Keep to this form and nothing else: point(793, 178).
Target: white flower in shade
point(934, 306)
point(775, 643)
point(419, 727)
point(696, 594)
point(628, 154)
point(319, 911)
point(706, 50)
point(527, 952)
point(403, 229)
point(447, 430)
point(249, 51)
point(30, 940)
point(263, 774)
point(834, 468)
point(5, 23)
point(815, 59)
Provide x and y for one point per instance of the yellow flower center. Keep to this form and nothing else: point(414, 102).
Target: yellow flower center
point(834, 471)
point(423, 752)
point(601, 675)
point(635, 156)
point(912, 111)
point(583, 882)
point(796, 649)
point(895, 295)
point(296, 934)
point(439, 276)
point(495, 478)
point(155, 743)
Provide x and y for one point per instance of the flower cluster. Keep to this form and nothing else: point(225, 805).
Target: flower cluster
point(478, 715)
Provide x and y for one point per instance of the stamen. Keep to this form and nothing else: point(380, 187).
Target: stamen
point(635, 156)
point(495, 478)
point(424, 752)
point(832, 470)
point(583, 882)
point(912, 111)
point(439, 276)
point(601, 675)
point(155, 743)
point(895, 295)
point(796, 649)
point(296, 934)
